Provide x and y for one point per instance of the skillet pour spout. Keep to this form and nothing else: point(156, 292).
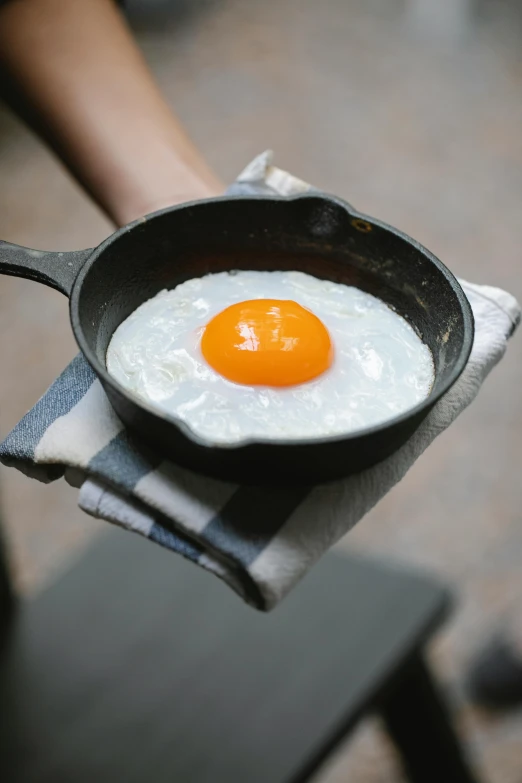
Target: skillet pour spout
point(320, 235)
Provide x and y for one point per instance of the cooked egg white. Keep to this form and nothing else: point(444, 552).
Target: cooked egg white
point(381, 368)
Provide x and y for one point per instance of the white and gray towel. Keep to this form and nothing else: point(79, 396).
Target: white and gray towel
point(260, 542)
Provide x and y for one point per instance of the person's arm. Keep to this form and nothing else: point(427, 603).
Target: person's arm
point(72, 69)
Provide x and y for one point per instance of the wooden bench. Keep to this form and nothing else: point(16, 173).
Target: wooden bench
point(137, 667)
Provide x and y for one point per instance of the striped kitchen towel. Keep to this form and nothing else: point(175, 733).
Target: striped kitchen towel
point(260, 542)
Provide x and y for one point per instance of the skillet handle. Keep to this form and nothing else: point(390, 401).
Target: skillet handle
point(57, 270)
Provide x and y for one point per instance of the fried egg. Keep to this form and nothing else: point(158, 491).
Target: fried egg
point(270, 355)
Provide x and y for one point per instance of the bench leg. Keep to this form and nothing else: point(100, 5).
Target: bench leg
point(419, 725)
point(7, 600)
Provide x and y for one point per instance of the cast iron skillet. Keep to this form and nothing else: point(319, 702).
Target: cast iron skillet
point(317, 234)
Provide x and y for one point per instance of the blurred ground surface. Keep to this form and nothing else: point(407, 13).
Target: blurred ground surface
point(410, 109)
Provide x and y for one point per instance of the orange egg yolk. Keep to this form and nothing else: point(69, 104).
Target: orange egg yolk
point(267, 342)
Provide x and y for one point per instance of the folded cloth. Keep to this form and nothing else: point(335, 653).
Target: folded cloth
point(260, 542)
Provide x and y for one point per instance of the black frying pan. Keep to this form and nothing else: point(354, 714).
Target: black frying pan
point(317, 234)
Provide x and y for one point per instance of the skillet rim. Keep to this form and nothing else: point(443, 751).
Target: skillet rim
point(423, 407)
